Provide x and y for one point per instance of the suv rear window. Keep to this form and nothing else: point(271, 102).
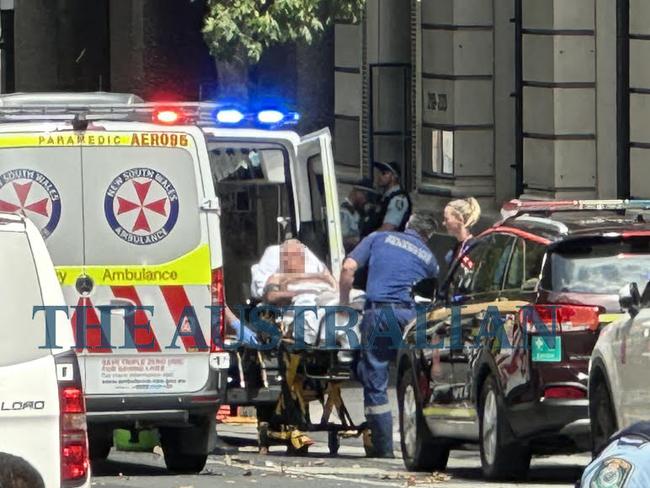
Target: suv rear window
point(20, 291)
point(598, 266)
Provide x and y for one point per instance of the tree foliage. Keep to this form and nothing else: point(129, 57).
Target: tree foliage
point(251, 26)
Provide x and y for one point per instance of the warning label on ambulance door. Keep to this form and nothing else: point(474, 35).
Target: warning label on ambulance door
point(158, 374)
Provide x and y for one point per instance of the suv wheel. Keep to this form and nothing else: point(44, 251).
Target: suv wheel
point(603, 420)
point(176, 459)
point(420, 451)
point(498, 459)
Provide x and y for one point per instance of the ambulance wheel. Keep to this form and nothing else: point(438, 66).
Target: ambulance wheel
point(501, 459)
point(420, 451)
point(603, 421)
point(176, 459)
point(99, 444)
point(333, 442)
point(177, 462)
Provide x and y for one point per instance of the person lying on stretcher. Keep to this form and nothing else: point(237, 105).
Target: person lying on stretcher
point(290, 274)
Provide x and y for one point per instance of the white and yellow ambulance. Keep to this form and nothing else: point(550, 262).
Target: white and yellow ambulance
point(149, 212)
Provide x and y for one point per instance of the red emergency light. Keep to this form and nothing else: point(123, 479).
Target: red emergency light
point(167, 116)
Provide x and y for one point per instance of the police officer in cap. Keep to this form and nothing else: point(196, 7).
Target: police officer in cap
point(353, 212)
point(395, 204)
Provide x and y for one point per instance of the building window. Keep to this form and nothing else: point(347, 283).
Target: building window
point(442, 152)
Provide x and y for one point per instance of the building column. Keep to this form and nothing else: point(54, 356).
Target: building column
point(639, 89)
point(61, 45)
point(559, 98)
point(458, 117)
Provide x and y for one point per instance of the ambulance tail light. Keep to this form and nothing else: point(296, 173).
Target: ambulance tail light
point(560, 318)
point(167, 116)
point(218, 300)
point(72, 423)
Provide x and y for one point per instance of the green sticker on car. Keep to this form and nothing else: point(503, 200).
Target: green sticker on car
point(547, 349)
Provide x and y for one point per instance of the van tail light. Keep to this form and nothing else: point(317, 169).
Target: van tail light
point(217, 293)
point(72, 422)
point(565, 392)
point(562, 318)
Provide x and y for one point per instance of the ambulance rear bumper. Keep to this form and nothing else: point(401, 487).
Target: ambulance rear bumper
point(157, 409)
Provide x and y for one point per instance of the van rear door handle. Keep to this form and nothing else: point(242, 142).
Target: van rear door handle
point(121, 302)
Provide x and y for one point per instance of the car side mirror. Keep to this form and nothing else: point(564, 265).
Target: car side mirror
point(629, 299)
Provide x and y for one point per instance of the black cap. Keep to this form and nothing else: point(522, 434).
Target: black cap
point(392, 166)
point(364, 184)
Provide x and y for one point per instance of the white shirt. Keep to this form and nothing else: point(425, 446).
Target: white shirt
point(270, 265)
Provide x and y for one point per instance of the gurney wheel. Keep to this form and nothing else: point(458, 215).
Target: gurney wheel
point(263, 438)
point(333, 442)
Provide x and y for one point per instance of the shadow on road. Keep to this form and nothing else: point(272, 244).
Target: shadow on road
point(117, 468)
point(549, 475)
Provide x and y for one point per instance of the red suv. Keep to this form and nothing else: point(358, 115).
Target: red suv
point(511, 331)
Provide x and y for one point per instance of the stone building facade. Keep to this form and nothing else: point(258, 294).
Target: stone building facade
point(498, 98)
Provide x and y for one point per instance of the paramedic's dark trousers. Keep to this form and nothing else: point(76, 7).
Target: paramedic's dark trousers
point(373, 368)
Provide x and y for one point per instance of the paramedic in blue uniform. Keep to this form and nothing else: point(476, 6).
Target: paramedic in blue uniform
point(396, 261)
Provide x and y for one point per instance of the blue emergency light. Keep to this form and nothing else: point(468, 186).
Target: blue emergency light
point(229, 116)
point(268, 118)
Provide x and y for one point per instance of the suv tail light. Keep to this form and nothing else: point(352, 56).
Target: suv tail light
point(565, 318)
point(218, 299)
point(565, 392)
point(72, 422)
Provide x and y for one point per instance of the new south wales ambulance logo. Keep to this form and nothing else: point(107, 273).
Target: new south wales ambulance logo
point(141, 206)
point(33, 195)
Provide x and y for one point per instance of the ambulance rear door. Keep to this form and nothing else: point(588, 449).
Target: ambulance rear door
point(146, 244)
point(314, 174)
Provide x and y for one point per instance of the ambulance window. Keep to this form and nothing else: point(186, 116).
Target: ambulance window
point(239, 163)
point(314, 233)
point(142, 204)
point(20, 335)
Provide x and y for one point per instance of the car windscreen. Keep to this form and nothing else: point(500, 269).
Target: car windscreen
point(599, 266)
point(20, 292)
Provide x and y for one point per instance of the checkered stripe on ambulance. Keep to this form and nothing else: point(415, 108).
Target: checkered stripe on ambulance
point(121, 214)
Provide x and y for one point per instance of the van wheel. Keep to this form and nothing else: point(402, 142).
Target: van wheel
point(420, 451)
point(499, 460)
point(603, 420)
point(176, 459)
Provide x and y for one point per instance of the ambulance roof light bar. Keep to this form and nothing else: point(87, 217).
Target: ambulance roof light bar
point(519, 207)
point(199, 113)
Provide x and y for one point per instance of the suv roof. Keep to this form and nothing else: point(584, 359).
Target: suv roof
point(582, 218)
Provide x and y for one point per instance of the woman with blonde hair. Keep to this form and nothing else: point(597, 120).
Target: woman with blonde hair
point(459, 217)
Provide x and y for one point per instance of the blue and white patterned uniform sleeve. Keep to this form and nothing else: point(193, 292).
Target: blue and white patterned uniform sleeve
point(397, 209)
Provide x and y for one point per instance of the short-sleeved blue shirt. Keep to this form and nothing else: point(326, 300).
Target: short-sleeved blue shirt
point(396, 261)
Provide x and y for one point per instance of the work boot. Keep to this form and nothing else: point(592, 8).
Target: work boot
point(381, 428)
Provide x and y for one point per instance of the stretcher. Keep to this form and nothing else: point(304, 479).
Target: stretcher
point(282, 382)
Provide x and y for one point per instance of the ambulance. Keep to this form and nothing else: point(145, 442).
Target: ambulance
point(153, 215)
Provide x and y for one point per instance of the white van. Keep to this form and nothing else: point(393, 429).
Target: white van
point(42, 416)
point(134, 214)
